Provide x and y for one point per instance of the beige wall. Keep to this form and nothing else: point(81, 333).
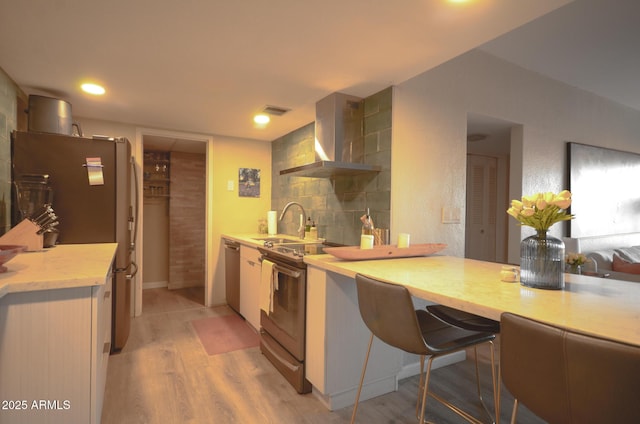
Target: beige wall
point(429, 139)
point(91, 127)
point(156, 242)
point(229, 212)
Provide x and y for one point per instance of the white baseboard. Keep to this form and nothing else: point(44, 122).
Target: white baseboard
point(383, 386)
point(346, 398)
point(413, 368)
point(154, 284)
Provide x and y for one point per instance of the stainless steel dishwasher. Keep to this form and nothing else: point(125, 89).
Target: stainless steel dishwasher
point(232, 273)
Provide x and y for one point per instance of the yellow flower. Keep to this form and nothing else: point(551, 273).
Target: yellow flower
point(529, 201)
point(541, 203)
point(541, 210)
point(528, 212)
point(575, 258)
point(562, 199)
point(513, 212)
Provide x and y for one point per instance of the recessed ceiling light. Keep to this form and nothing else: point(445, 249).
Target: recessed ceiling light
point(94, 89)
point(261, 119)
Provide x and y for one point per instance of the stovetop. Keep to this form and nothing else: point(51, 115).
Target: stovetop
point(293, 251)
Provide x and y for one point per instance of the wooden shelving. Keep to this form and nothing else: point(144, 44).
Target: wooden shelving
point(156, 168)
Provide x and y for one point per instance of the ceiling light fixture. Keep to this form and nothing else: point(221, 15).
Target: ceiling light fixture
point(264, 116)
point(261, 119)
point(95, 89)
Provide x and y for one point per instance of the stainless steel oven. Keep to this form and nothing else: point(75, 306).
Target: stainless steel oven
point(282, 332)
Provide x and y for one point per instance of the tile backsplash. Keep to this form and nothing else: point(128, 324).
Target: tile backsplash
point(10, 96)
point(336, 204)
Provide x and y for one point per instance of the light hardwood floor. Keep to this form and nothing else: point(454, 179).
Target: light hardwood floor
point(163, 375)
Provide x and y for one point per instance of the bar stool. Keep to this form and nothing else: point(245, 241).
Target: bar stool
point(567, 377)
point(463, 319)
point(388, 312)
point(471, 322)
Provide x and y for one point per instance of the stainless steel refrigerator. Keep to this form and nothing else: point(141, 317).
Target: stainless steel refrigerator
point(89, 210)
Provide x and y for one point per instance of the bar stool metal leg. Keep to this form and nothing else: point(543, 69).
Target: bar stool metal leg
point(494, 418)
point(364, 371)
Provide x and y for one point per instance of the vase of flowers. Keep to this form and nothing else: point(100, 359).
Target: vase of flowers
point(575, 261)
point(541, 255)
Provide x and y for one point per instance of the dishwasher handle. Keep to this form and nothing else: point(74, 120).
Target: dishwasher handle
point(231, 245)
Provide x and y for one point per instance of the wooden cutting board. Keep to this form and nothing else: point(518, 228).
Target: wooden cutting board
point(387, 251)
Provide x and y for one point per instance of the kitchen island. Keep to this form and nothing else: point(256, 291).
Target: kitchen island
point(55, 334)
point(337, 337)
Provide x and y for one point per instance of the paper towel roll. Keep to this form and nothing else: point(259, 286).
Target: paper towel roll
point(272, 223)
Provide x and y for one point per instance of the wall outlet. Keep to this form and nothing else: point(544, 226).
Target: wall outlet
point(450, 215)
point(230, 185)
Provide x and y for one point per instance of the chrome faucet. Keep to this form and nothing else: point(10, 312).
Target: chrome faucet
point(304, 217)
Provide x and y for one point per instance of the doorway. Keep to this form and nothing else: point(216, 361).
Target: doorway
point(174, 243)
point(487, 187)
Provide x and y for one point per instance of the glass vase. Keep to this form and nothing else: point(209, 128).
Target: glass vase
point(542, 262)
point(575, 269)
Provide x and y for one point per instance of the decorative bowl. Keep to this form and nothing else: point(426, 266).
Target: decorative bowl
point(8, 252)
point(355, 253)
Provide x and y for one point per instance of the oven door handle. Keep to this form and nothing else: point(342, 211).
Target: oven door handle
point(282, 361)
point(285, 271)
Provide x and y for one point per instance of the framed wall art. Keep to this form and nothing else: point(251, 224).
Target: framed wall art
point(605, 195)
point(248, 182)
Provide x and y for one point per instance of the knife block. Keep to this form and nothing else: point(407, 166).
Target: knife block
point(24, 234)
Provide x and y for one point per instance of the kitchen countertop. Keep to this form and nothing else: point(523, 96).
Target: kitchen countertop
point(599, 306)
point(250, 239)
point(62, 266)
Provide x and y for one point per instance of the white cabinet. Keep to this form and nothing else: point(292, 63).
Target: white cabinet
point(54, 349)
point(250, 273)
point(337, 340)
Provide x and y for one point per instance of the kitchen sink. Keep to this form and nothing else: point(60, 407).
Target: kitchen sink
point(277, 240)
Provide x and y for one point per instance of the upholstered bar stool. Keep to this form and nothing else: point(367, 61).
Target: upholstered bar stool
point(464, 319)
point(568, 377)
point(471, 322)
point(388, 311)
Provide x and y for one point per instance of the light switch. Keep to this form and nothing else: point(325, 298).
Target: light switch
point(230, 185)
point(450, 215)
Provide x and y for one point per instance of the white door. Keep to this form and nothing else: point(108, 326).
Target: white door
point(481, 210)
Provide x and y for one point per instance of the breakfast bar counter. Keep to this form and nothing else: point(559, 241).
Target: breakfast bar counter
point(337, 337)
point(598, 306)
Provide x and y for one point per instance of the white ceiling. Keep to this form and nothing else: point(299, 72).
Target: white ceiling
point(206, 66)
point(589, 44)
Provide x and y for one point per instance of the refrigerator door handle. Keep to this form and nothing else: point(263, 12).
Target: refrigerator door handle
point(135, 270)
point(133, 217)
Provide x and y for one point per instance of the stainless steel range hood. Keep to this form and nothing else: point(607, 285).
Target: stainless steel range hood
point(339, 140)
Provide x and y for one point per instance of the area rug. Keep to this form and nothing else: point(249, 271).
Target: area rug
point(225, 334)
